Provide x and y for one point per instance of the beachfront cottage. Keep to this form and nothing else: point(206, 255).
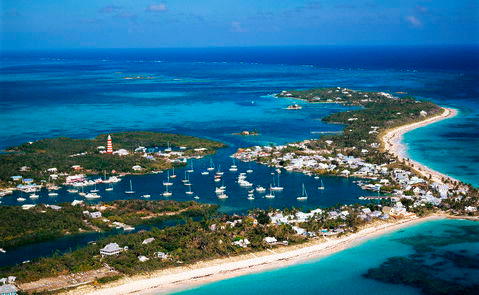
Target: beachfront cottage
point(8, 289)
point(111, 249)
point(243, 243)
point(270, 240)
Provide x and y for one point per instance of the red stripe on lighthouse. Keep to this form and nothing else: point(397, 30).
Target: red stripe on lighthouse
point(109, 145)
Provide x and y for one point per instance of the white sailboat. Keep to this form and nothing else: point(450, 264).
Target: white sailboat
point(131, 191)
point(167, 182)
point(186, 179)
point(95, 190)
point(304, 195)
point(260, 189)
point(146, 196)
point(167, 193)
point(212, 167)
point(34, 196)
point(191, 170)
point(222, 196)
point(278, 187)
point(189, 192)
point(168, 149)
point(92, 196)
point(233, 167)
point(249, 169)
point(173, 175)
point(109, 188)
point(219, 172)
point(270, 195)
point(321, 187)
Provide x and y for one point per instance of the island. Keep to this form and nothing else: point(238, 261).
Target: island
point(247, 133)
point(63, 160)
point(45, 222)
point(219, 246)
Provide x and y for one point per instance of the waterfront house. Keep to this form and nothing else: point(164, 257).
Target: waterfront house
point(242, 243)
point(270, 240)
point(111, 249)
point(16, 178)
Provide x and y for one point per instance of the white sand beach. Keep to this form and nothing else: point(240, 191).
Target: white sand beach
point(392, 141)
point(180, 278)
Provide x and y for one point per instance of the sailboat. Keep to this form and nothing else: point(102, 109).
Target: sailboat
point(322, 185)
point(270, 195)
point(131, 191)
point(109, 188)
point(191, 168)
point(94, 190)
point(233, 167)
point(219, 172)
point(189, 192)
point(186, 179)
point(34, 196)
point(249, 169)
point(167, 183)
point(212, 167)
point(173, 175)
point(222, 196)
point(82, 193)
point(304, 195)
point(278, 187)
point(187, 182)
point(260, 189)
point(168, 149)
point(167, 193)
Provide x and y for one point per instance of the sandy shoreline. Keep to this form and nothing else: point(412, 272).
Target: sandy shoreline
point(180, 278)
point(392, 141)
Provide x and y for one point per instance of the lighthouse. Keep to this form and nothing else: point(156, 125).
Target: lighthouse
point(109, 145)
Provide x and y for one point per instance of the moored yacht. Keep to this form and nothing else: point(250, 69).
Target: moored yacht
point(321, 187)
point(304, 194)
point(131, 191)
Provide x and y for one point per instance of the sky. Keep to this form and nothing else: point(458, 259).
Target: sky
point(46, 24)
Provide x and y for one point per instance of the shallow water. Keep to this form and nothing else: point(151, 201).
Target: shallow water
point(343, 272)
point(214, 94)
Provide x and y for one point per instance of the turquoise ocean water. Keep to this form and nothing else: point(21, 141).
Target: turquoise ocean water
point(428, 244)
point(214, 93)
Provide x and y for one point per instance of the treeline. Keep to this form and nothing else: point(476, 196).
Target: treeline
point(40, 223)
point(62, 153)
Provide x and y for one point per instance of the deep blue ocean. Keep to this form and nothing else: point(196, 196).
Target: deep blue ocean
point(215, 92)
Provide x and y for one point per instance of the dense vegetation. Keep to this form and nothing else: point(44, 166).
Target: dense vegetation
point(62, 153)
point(184, 244)
point(377, 109)
point(20, 227)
